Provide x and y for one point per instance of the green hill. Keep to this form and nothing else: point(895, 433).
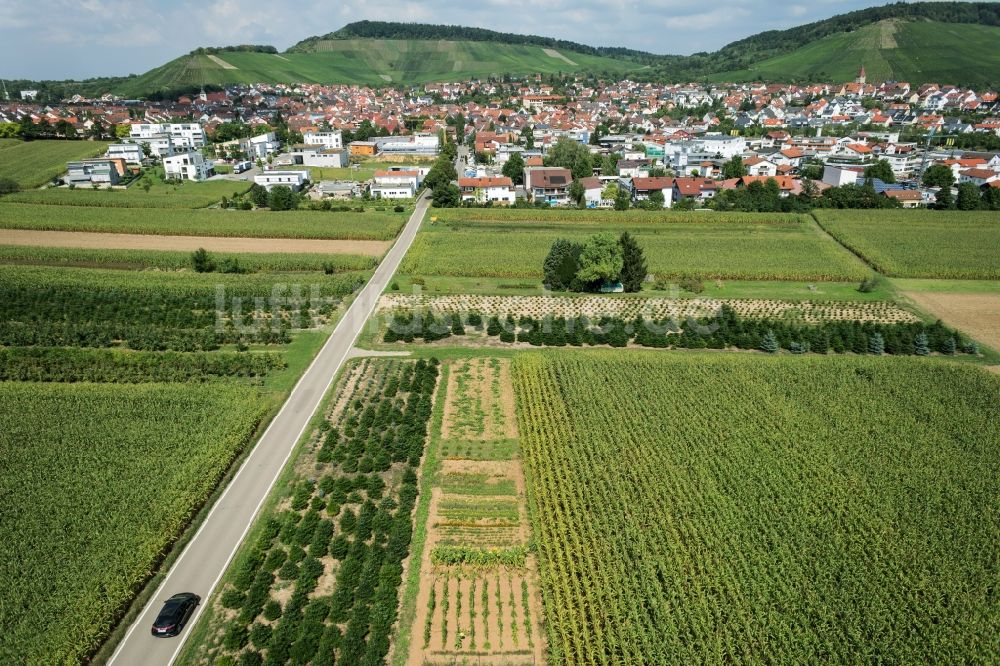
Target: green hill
point(890, 50)
point(369, 61)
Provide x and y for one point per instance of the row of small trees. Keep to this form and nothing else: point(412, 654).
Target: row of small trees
point(600, 260)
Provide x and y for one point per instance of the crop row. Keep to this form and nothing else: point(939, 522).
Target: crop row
point(457, 216)
point(33, 163)
point(367, 225)
point(725, 330)
point(349, 519)
point(655, 308)
point(59, 364)
point(182, 312)
point(175, 260)
point(98, 480)
point(726, 508)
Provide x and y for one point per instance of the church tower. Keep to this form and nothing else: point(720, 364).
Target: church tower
point(861, 75)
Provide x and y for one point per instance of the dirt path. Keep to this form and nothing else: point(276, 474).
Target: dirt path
point(975, 314)
point(91, 240)
point(552, 53)
point(221, 63)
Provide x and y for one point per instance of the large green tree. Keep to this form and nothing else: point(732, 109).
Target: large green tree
point(939, 175)
point(441, 173)
point(622, 199)
point(446, 196)
point(513, 168)
point(968, 197)
point(734, 168)
point(600, 260)
point(571, 155)
point(882, 170)
point(577, 193)
point(561, 264)
point(634, 267)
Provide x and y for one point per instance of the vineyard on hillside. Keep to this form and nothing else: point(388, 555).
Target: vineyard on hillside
point(724, 509)
point(91, 503)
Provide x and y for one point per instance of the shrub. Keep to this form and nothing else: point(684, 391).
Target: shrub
point(202, 261)
point(260, 634)
point(236, 637)
point(691, 284)
point(272, 610)
point(233, 598)
point(769, 343)
point(870, 284)
point(398, 209)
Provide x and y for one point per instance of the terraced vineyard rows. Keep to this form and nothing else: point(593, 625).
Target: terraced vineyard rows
point(318, 583)
point(718, 509)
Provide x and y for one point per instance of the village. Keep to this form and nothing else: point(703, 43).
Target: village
point(648, 144)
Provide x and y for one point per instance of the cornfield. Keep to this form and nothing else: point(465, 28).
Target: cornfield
point(921, 244)
point(369, 225)
point(728, 250)
point(614, 217)
point(183, 195)
point(726, 509)
point(98, 480)
point(177, 260)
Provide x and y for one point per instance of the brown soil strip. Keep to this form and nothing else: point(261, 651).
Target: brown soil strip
point(91, 240)
point(977, 315)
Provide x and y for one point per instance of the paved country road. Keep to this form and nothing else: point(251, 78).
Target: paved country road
point(205, 558)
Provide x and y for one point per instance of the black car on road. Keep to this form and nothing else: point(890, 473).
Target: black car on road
point(175, 613)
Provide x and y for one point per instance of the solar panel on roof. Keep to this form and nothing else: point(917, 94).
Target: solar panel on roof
point(557, 180)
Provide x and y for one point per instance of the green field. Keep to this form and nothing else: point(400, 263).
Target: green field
point(368, 225)
point(768, 248)
point(914, 51)
point(365, 61)
point(34, 163)
point(98, 480)
point(344, 513)
point(176, 260)
point(160, 195)
point(362, 171)
point(921, 244)
point(738, 509)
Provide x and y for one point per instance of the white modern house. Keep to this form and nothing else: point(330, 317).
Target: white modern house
point(160, 145)
point(721, 144)
point(417, 144)
point(330, 140)
point(130, 152)
point(498, 189)
point(260, 146)
point(92, 172)
point(186, 166)
point(293, 178)
point(317, 155)
point(184, 135)
point(397, 184)
point(838, 177)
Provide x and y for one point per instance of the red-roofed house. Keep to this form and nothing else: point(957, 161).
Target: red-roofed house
point(499, 189)
point(694, 188)
point(978, 177)
point(909, 198)
point(641, 188)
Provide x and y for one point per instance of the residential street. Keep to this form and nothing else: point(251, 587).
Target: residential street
point(206, 556)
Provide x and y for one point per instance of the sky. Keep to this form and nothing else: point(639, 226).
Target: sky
point(72, 39)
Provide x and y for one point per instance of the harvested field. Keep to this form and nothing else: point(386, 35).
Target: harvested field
point(89, 240)
point(809, 312)
point(975, 314)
